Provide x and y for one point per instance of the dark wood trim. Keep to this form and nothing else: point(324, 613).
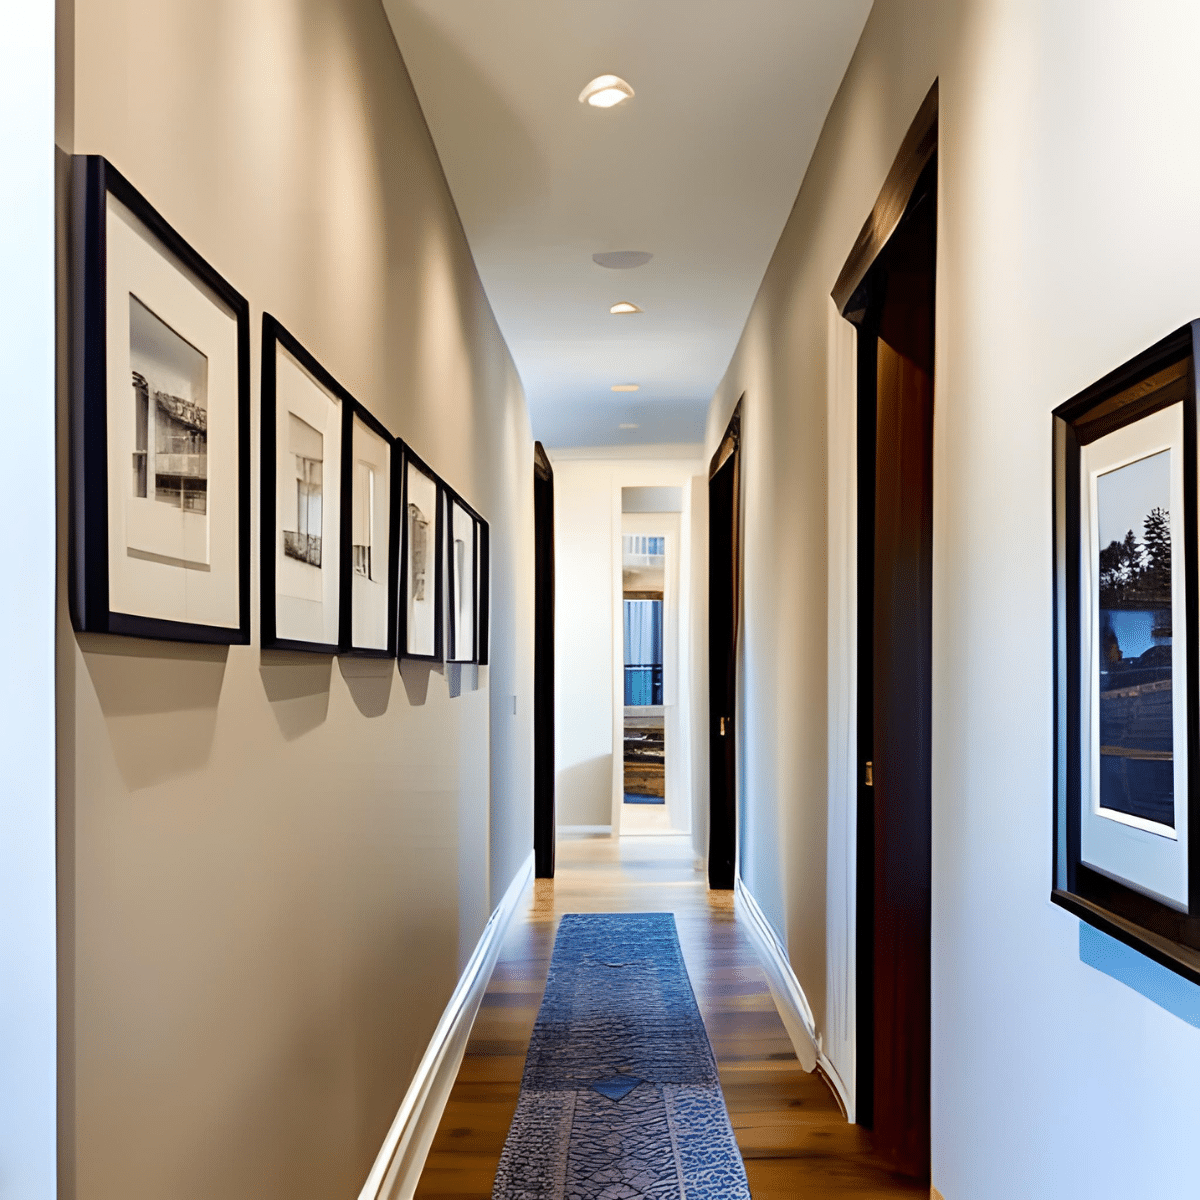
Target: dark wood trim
point(276, 337)
point(916, 150)
point(413, 459)
point(544, 779)
point(352, 410)
point(93, 180)
point(893, 306)
point(724, 605)
point(731, 440)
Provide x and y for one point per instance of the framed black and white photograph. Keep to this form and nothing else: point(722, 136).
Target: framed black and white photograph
point(160, 426)
point(303, 418)
point(462, 577)
point(420, 590)
point(1126, 678)
point(370, 537)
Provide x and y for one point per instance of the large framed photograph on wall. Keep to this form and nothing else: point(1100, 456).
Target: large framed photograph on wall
point(160, 489)
point(371, 535)
point(420, 589)
point(303, 417)
point(1126, 642)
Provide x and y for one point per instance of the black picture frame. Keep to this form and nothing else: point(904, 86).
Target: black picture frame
point(480, 558)
point(352, 410)
point(411, 458)
point(94, 179)
point(483, 632)
point(274, 337)
point(1153, 381)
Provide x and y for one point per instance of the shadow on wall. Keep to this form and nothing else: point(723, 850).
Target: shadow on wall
point(415, 677)
point(297, 685)
point(584, 792)
point(369, 682)
point(171, 688)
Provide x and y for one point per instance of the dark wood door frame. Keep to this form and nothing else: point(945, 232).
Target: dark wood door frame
point(543, 665)
point(887, 291)
point(724, 606)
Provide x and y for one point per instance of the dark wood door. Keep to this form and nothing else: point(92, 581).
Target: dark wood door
point(543, 665)
point(723, 589)
point(896, 401)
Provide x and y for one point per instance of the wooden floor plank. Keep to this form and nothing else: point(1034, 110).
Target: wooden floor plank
point(792, 1135)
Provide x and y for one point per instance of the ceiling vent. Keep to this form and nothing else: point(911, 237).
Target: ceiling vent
point(622, 260)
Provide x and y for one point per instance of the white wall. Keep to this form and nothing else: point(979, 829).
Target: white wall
point(587, 535)
point(28, 1048)
point(276, 864)
point(1068, 242)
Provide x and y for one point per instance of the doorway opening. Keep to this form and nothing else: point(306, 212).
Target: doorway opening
point(543, 664)
point(644, 765)
point(724, 596)
point(892, 305)
point(654, 713)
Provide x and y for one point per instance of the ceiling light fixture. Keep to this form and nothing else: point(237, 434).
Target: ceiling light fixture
point(624, 306)
point(626, 387)
point(606, 90)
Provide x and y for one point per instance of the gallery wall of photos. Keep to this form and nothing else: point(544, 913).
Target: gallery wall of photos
point(364, 548)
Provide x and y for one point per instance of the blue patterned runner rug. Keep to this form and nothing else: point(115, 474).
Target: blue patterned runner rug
point(620, 1099)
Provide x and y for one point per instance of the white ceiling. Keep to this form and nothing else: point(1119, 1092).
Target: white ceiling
point(701, 168)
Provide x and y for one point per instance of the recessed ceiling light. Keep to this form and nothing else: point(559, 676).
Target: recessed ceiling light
point(605, 90)
point(624, 307)
point(622, 260)
point(626, 426)
point(626, 387)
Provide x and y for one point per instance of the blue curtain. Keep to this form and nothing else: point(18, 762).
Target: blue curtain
point(643, 633)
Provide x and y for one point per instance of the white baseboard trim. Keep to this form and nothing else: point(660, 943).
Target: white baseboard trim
point(401, 1159)
point(584, 831)
point(794, 1008)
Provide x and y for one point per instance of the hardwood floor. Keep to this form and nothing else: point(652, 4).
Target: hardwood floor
point(792, 1135)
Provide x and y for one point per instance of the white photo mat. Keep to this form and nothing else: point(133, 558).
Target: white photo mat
point(166, 560)
point(419, 601)
point(462, 572)
point(371, 523)
point(1145, 855)
point(308, 432)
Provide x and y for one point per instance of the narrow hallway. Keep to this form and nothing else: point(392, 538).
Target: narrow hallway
point(789, 1128)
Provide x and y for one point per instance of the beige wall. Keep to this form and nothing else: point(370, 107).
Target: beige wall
point(1068, 241)
point(274, 865)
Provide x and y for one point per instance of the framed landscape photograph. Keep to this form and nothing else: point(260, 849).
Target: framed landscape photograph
point(371, 537)
point(462, 578)
point(1126, 642)
point(420, 590)
point(160, 489)
point(303, 418)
